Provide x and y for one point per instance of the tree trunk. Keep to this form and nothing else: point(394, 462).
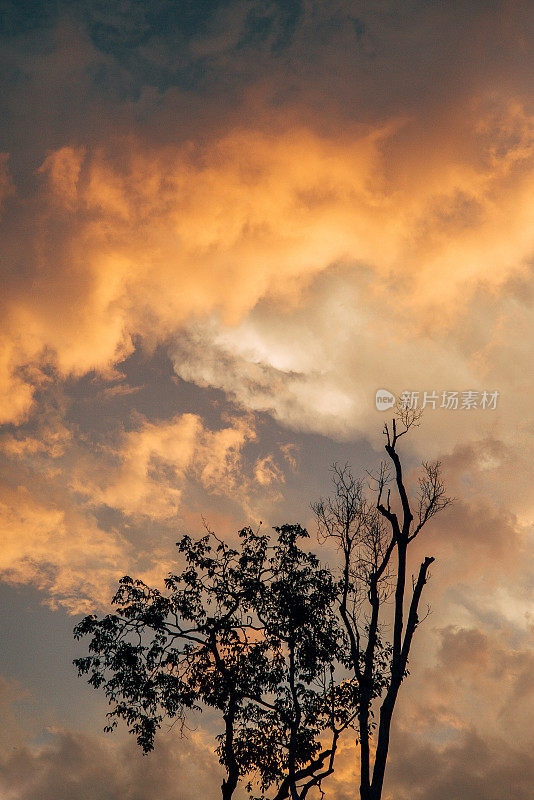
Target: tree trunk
point(363, 721)
point(399, 667)
point(232, 769)
point(379, 769)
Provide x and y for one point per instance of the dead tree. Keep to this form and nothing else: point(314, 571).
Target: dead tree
point(373, 536)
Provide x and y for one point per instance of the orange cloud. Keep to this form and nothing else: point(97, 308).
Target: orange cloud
point(152, 463)
point(58, 549)
point(62, 169)
point(125, 240)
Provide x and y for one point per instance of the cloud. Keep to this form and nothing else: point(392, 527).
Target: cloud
point(62, 169)
point(16, 390)
point(148, 469)
point(59, 549)
point(300, 203)
point(73, 766)
point(473, 767)
point(133, 239)
point(316, 363)
point(77, 501)
point(6, 184)
point(471, 676)
point(13, 697)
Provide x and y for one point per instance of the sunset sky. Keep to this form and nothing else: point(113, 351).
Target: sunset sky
point(225, 224)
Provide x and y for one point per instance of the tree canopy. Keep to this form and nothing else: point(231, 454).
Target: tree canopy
point(250, 631)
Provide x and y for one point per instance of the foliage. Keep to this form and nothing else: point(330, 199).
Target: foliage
point(251, 632)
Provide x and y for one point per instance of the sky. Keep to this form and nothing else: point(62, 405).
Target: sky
point(225, 225)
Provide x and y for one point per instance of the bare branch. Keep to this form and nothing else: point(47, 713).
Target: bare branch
point(432, 498)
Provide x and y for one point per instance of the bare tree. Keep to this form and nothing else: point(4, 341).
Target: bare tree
point(373, 537)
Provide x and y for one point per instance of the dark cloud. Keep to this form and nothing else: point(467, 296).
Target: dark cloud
point(73, 766)
point(463, 649)
point(472, 767)
point(348, 60)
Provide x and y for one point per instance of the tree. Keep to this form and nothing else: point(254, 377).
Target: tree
point(291, 655)
point(373, 538)
point(249, 631)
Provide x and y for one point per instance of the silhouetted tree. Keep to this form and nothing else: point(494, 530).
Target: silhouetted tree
point(289, 655)
point(250, 631)
point(373, 537)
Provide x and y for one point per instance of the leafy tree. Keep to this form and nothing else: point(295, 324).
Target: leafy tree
point(373, 536)
point(251, 632)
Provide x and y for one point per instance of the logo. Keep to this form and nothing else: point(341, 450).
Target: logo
point(384, 400)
